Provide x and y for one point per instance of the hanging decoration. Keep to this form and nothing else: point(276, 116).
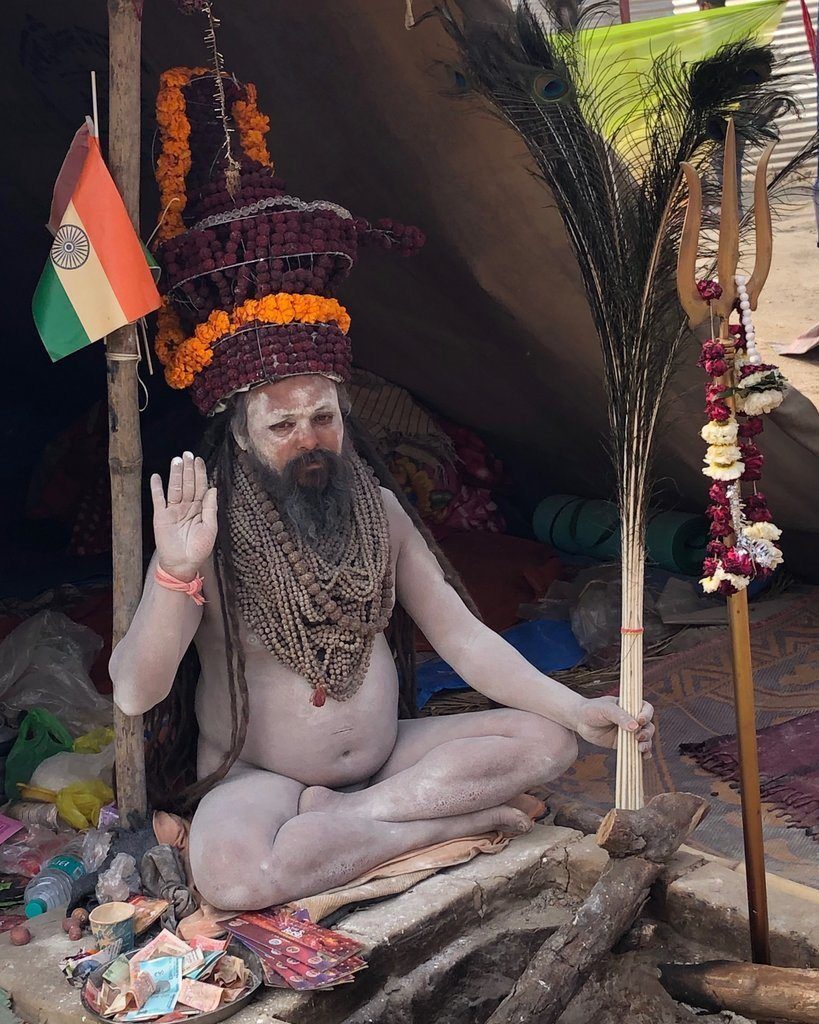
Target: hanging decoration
point(743, 537)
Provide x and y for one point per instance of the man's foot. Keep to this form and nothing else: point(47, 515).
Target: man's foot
point(319, 798)
point(533, 806)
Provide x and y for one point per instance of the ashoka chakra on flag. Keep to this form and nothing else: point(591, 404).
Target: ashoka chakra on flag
point(70, 248)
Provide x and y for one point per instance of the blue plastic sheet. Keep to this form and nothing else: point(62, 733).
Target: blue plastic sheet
point(549, 646)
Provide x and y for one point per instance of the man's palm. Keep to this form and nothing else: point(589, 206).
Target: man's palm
point(185, 523)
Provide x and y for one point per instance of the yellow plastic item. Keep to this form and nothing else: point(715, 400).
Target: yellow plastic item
point(79, 804)
point(95, 741)
point(43, 796)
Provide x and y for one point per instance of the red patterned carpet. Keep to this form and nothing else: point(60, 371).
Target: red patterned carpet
point(693, 696)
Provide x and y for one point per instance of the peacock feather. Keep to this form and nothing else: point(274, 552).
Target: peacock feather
point(608, 142)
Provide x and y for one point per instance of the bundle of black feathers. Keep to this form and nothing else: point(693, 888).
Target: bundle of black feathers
point(621, 195)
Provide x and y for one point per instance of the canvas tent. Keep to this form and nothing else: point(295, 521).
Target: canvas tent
point(488, 325)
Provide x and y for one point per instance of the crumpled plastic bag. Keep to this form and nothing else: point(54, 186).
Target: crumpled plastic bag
point(119, 881)
point(95, 848)
point(41, 737)
point(597, 617)
point(44, 663)
point(95, 741)
point(61, 770)
point(79, 804)
point(26, 851)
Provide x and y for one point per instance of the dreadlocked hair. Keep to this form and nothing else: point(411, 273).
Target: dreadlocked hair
point(171, 727)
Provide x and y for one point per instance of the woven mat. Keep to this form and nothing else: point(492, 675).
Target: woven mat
point(693, 695)
point(788, 767)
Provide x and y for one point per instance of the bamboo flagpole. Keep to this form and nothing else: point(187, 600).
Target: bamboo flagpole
point(122, 355)
point(698, 311)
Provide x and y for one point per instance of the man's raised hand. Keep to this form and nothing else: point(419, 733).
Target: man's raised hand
point(185, 523)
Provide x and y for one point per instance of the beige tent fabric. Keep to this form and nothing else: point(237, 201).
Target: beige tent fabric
point(489, 323)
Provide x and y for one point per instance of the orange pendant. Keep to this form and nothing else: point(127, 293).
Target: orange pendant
point(319, 697)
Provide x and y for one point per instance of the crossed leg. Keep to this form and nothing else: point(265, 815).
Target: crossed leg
point(259, 838)
point(250, 848)
point(456, 764)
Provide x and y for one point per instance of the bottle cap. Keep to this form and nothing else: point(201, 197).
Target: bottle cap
point(35, 907)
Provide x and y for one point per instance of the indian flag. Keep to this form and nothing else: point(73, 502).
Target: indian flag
point(97, 277)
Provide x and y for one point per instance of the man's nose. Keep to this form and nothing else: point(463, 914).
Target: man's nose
point(307, 440)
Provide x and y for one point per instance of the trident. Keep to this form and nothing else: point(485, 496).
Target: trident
point(698, 312)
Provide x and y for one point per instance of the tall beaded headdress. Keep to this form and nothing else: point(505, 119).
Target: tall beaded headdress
point(250, 272)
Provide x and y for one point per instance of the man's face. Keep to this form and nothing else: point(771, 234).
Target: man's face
point(291, 418)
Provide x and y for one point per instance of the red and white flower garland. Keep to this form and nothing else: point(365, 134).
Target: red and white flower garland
point(743, 536)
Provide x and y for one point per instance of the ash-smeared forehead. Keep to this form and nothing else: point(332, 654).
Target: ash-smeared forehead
point(292, 398)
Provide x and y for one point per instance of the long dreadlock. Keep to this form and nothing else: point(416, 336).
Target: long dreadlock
point(171, 727)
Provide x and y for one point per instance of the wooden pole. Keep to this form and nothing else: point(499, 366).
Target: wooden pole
point(744, 705)
point(754, 990)
point(125, 446)
point(698, 312)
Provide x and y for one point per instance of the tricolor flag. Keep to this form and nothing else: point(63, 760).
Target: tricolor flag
point(97, 277)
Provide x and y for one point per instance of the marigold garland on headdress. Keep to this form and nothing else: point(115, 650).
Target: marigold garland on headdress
point(239, 254)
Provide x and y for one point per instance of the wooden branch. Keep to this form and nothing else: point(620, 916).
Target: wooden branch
point(573, 814)
point(656, 831)
point(752, 990)
point(125, 447)
point(565, 960)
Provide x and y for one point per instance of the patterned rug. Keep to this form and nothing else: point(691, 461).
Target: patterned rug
point(788, 767)
point(693, 696)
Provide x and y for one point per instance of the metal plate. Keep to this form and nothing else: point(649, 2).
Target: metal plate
point(235, 948)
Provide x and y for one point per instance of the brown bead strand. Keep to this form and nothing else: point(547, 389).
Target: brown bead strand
point(316, 611)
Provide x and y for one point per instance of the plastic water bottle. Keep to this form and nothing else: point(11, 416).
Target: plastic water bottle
point(52, 886)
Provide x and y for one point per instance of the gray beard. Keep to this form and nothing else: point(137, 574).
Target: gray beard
point(316, 504)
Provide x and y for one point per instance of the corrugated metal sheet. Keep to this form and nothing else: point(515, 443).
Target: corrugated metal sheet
point(790, 44)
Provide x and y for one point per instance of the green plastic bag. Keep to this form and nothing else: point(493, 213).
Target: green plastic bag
point(41, 735)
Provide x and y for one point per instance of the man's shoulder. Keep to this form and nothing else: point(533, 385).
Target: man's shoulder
point(399, 522)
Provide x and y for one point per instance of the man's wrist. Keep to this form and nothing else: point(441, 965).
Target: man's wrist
point(183, 573)
point(575, 711)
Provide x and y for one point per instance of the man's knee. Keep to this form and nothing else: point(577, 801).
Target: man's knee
point(230, 873)
point(565, 750)
point(546, 739)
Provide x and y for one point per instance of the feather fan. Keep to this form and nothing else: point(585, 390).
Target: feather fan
point(609, 147)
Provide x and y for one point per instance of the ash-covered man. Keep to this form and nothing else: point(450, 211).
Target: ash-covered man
point(313, 779)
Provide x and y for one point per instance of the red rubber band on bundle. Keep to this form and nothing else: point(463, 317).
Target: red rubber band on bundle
point(193, 588)
point(627, 629)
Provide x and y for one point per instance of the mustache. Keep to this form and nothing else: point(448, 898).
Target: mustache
point(314, 492)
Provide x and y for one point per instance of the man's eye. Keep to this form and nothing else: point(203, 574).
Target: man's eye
point(323, 419)
point(283, 426)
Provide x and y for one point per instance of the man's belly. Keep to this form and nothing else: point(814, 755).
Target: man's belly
point(341, 743)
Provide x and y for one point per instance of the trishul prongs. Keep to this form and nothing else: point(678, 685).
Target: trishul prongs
point(694, 305)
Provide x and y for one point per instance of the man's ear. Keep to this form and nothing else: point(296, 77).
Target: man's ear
point(238, 423)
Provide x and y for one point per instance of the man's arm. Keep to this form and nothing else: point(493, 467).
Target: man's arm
point(144, 663)
point(483, 658)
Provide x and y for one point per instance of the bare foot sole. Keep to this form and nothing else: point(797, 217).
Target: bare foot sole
point(530, 805)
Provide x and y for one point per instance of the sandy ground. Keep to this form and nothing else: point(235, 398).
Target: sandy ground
point(789, 304)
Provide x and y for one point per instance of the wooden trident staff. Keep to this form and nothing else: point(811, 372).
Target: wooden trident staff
point(698, 311)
